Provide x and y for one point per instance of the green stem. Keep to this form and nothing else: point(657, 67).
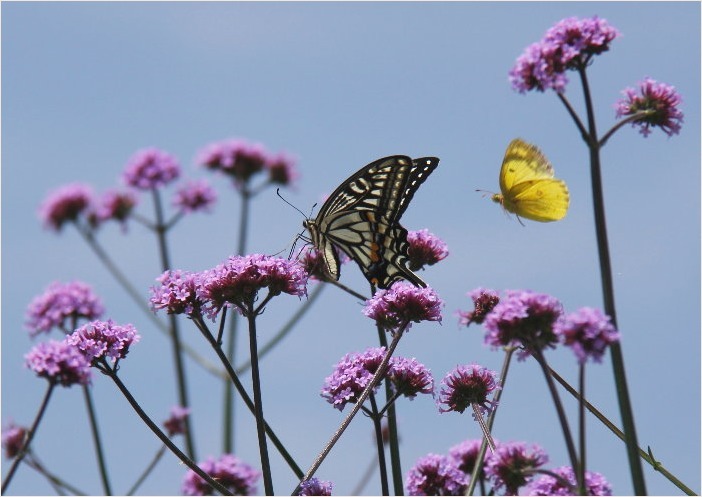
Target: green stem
point(147, 471)
point(105, 368)
point(96, 440)
point(608, 294)
point(382, 466)
point(173, 321)
point(30, 436)
point(580, 476)
point(379, 373)
point(258, 403)
point(57, 483)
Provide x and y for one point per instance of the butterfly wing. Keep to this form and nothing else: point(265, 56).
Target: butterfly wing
point(361, 217)
point(528, 186)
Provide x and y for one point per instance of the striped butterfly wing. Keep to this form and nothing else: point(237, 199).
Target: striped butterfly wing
point(361, 218)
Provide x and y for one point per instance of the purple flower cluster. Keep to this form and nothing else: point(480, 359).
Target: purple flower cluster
point(588, 332)
point(241, 160)
point(425, 249)
point(59, 362)
point(351, 376)
point(315, 486)
point(465, 455)
point(511, 465)
point(175, 424)
point(409, 377)
point(238, 280)
point(467, 385)
point(65, 205)
point(103, 339)
point(113, 205)
point(151, 168)
point(523, 318)
point(13, 439)
point(436, 474)
point(234, 474)
point(178, 293)
point(403, 304)
point(595, 483)
point(313, 263)
point(569, 44)
point(483, 301)
point(61, 305)
point(658, 104)
point(195, 196)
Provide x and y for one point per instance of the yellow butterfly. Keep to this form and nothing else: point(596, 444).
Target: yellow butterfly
point(528, 187)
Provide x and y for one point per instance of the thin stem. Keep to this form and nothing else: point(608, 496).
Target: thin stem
point(608, 294)
point(173, 322)
point(96, 440)
point(258, 403)
point(157, 431)
point(287, 328)
point(483, 427)
point(646, 456)
point(634, 117)
point(365, 478)
point(147, 471)
point(491, 421)
point(382, 466)
point(574, 116)
point(337, 284)
point(562, 418)
point(245, 397)
point(30, 436)
point(59, 485)
point(382, 368)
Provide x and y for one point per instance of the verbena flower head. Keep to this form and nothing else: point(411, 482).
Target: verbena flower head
point(465, 454)
point(403, 304)
point(315, 486)
point(425, 249)
point(410, 377)
point(351, 376)
point(175, 424)
point(195, 196)
point(178, 293)
point(595, 483)
point(588, 332)
point(234, 474)
point(65, 205)
point(61, 306)
point(238, 280)
point(484, 302)
point(103, 339)
point(467, 385)
point(151, 168)
point(236, 158)
point(312, 261)
point(59, 362)
point(569, 44)
point(436, 474)
point(658, 103)
point(281, 169)
point(511, 464)
point(13, 438)
point(523, 318)
point(114, 205)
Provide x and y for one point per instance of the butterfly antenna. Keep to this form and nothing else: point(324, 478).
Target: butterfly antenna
point(277, 192)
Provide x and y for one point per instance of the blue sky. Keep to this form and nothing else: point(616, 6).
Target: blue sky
point(85, 85)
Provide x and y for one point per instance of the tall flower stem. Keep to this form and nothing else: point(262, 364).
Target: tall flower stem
point(157, 431)
point(608, 293)
point(581, 431)
point(30, 436)
point(228, 428)
point(382, 369)
point(57, 483)
point(96, 440)
point(376, 417)
point(258, 402)
point(159, 454)
point(173, 321)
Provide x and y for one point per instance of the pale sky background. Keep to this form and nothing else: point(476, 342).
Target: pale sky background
point(85, 85)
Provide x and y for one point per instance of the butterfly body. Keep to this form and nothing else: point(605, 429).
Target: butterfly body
point(529, 188)
point(361, 218)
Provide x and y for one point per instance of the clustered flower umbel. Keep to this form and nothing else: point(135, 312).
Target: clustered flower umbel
point(315, 486)
point(61, 306)
point(436, 474)
point(229, 470)
point(595, 483)
point(403, 304)
point(656, 103)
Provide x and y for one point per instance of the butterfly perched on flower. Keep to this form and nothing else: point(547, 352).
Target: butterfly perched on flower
point(362, 219)
point(528, 186)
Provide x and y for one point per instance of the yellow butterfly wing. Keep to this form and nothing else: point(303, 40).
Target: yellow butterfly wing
point(528, 187)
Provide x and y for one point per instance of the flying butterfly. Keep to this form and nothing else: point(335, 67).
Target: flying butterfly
point(528, 186)
point(362, 219)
